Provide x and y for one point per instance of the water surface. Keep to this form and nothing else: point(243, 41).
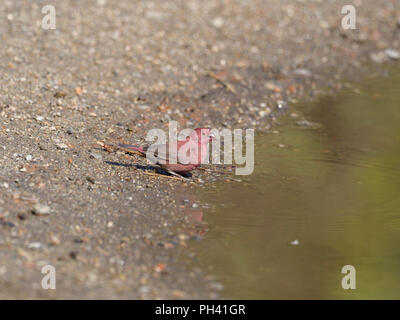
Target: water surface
point(318, 199)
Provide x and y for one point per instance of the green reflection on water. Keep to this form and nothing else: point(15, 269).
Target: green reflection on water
point(334, 189)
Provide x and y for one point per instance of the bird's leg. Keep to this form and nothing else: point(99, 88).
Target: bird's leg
point(150, 173)
point(177, 175)
point(173, 176)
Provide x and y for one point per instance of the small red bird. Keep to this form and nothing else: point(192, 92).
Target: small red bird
point(180, 157)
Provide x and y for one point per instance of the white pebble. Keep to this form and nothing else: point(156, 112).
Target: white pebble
point(41, 209)
point(392, 54)
point(61, 146)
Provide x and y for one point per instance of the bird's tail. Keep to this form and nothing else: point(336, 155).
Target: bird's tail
point(130, 148)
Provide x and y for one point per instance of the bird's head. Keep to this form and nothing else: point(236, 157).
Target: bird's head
point(203, 134)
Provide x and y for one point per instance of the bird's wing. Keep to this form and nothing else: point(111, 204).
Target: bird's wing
point(163, 152)
point(168, 153)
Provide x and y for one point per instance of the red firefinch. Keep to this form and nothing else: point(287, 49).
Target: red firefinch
point(179, 157)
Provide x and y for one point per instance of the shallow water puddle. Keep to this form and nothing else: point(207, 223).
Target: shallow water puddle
point(318, 199)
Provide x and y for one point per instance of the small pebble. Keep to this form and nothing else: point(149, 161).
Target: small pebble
point(35, 245)
point(54, 240)
point(392, 54)
point(218, 22)
point(302, 72)
point(145, 289)
point(60, 94)
point(281, 104)
point(308, 124)
point(217, 286)
point(96, 156)
point(41, 209)
point(264, 113)
point(61, 146)
point(294, 242)
point(90, 179)
point(378, 57)
point(183, 237)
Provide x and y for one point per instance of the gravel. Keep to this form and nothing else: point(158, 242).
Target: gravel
point(112, 70)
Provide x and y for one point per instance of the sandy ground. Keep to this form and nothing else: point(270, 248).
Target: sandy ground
point(111, 71)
